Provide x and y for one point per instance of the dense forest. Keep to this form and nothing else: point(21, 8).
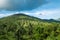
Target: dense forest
point(24, 27)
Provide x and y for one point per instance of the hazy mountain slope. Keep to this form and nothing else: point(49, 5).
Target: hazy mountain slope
point(58, 19)
point(24, 27)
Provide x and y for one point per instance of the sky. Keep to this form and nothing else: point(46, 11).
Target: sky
point(44, 9)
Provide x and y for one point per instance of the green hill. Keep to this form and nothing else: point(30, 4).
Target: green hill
point(24, 27)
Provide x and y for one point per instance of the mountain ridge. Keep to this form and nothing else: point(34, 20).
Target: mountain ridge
point(25, 27)
point(28, 17)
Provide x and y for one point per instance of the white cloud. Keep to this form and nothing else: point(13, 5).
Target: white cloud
point(11, 13)
point(4, 3)
point(54, 13)
point(25, 12)
point(7, 14)
point(4, 15)
point(42, 12)
point(48, 12)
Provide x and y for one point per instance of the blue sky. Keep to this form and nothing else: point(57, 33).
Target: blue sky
point(45, 9)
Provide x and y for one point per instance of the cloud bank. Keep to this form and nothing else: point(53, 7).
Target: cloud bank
point(52, 13)
point(20, 5)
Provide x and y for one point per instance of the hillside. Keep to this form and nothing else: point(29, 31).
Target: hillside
point(25, 27)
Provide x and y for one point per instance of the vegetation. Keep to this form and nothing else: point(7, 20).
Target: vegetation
point(24, 27)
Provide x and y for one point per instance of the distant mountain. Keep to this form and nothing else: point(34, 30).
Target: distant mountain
point(25, 27)
point(58, 19)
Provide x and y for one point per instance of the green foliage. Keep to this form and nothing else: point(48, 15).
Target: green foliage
point(24, 27)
